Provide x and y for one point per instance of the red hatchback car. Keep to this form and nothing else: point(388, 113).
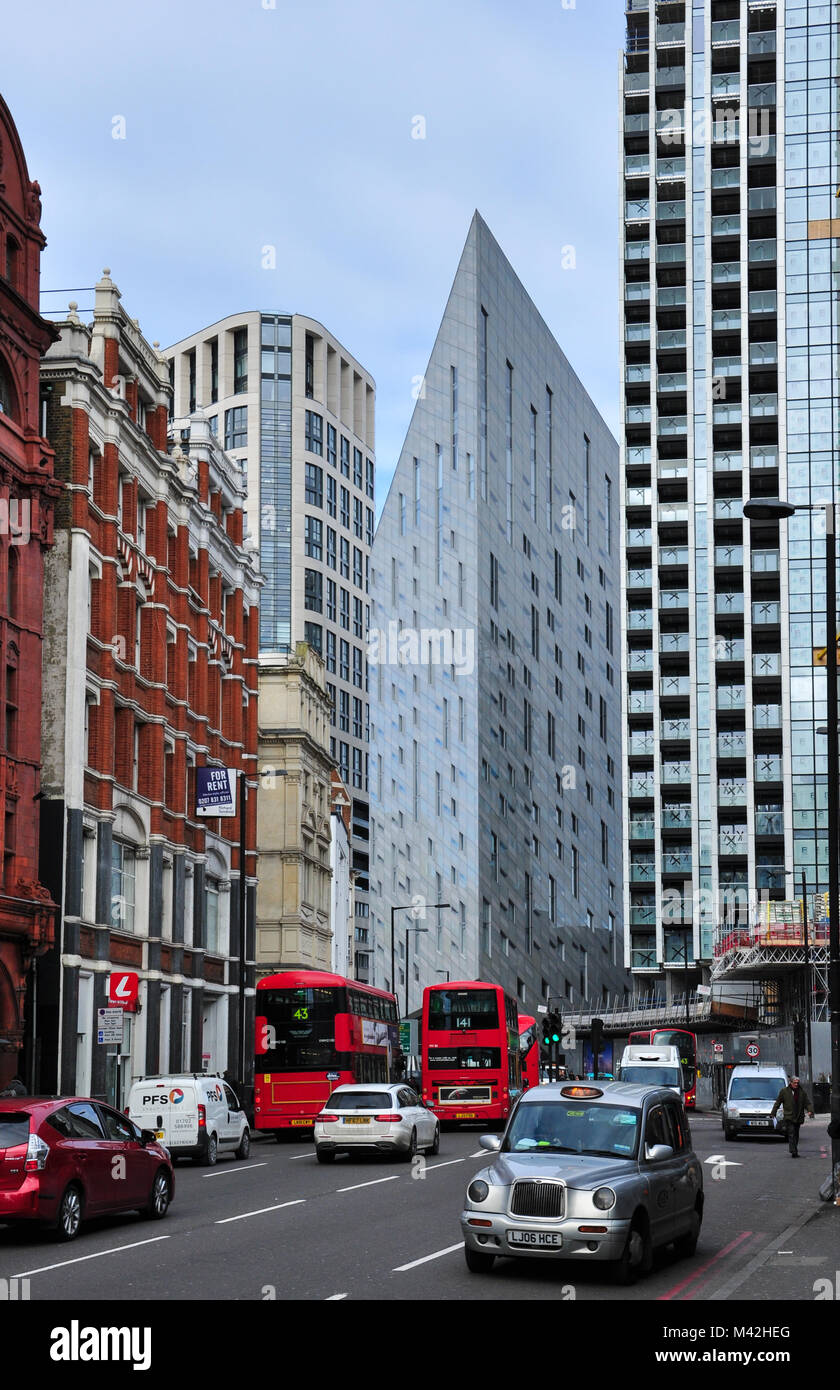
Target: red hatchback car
point(65, 1160)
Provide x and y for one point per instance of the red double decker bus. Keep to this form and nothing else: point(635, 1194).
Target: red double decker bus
point(470, 1053)
point(687, 1044)
point(529, 1051)
point(316, 1031)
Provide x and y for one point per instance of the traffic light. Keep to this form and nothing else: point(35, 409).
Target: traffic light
point(556, 1027)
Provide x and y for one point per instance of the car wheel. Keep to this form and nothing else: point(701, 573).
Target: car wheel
point(477, 1261)
point(160, 1197)
point(70, 1213)
point(245, 1144)
point(686, 1245)
point(636, 1257)
point(211, 1150)
point(325, 1155)
point(436, 1141)
point(411, 1151)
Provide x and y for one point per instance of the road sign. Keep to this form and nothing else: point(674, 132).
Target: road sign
point(122, 990)
point(718, 1047)
point(109, 1026)
point(753, 1049)
point(215, 791)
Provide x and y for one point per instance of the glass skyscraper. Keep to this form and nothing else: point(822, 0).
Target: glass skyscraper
point(729, 353)
point(494, 665)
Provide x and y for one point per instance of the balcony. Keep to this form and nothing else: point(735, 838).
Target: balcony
point(761, 199)
point(728, 509)
point(670, 34)
point(729, 556)
point(767, 716)
point(676, 815)
point(769, 874)
point(765, 561)
point(726, 178)
point(726, 31)
point(669, 168)
point(764, 456)
point(642, 827)
point(637, 333)
point(672, 513)
point(767, 665)
point(729, 650)
point(677, 861)
point(670, 339)
point(640, 702)
point(725, 413)
point(637, 373)
point(726, 366)
point(770, 822)
point(764, 354)
point(726, 224)
point(670, 210)
point(725, 84)
point(762, 251)
point(674, 773)
point(670, 77)
point(727, 461)
point(674, 643)
point(729, 604)
point(671, 253)
point(732, 839)
point(636, 291)
point(674, 598)
point(643, 957)
point(764, 406)
point(675, 730)
point(639, 660)
point(642, 868)
point(639, 577)
point(672, 426)
point(726, 320)
point(638, 497)
point(640, 784)
point(671, 556)
point(666, 382)
point(639, 619)
point(638, 537)
point(637, 123)
point(672, 468)
point(761, 94)
point(762, 302)
point(638, 455)
point(761, 43)
point(676, 942)
point(732, 743)
point(760, 148)
point(637, 415)
point(635, 82)
point(637, 166)
point(637, 250)
point(731, 697)
point(642, 743)
point(637, 210)
point(675, 687)
point(732, 791)
point(643, 914)
point(767, 613)
point(671, 297)
point(768, 767)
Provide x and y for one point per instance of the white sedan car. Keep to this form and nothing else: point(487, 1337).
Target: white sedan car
point(378, 1118)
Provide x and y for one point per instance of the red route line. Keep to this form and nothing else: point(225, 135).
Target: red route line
point(757, 1240)
point(721, 1254)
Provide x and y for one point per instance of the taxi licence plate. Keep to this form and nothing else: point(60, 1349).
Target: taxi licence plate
point(158, 1133)
point(464, 1115)
point(355, 1120)
point(761, 1123)
point(301, 1122)
point(543, 1240)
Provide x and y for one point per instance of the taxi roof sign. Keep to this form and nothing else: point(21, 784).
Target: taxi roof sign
point(581, 1092)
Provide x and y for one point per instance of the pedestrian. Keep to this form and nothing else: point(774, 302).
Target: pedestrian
point(14, 1088)
point(794, 1101)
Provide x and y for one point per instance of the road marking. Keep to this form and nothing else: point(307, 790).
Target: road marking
point(299, 1203)
point(430, 1168)
point(357, 1185)
point(762, 1256)
point(222, 1171)
point(334, 1297)
point(95, 1256)
point(723, 1161)
point(721, 1254)
point(482, 1153)
point(400, 1269)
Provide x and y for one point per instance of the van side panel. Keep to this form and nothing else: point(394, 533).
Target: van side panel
point(170, 1108)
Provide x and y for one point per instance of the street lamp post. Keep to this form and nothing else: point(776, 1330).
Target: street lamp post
point(408, 930)
point(243, 912)
point(404, 907)
point(774, 509)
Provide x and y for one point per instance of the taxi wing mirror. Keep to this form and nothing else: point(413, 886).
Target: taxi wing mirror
point(491, 1142)
point(655, 1153)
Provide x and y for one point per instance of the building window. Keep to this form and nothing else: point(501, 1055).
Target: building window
point(309, 367)
point(608, 513)
point(358, 571)
point(314, 591)
point(331, 446)
point(331, 651)
point(123, 884)
point(345, 457)
point(533, 458)
point(330, 546)
point(314, 538)
point(214, 370)
point(494, 582)
point(240, 361)
point(314, 494)
point(313, 633)
point(345, 558)
point(369, 486)
point(586, 451)
point(236, 427)
point(358, 518)
point(454, 415)
point(358, 479)
point(211, 916)
point(314, 432)
point(331, 600)
point(332, 505)
point(345, 508)
point(369, 526)
point(345, 610)
point(509, 451)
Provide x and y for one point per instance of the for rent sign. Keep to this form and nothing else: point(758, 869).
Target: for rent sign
point(215, 791)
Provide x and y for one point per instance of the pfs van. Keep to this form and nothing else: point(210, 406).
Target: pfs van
point(194, 1115)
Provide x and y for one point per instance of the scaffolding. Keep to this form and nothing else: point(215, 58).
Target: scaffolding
point(788, 957)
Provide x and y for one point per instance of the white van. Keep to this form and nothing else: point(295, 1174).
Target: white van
point(749, 1100)
point(648, 1065)
point(195, 1115)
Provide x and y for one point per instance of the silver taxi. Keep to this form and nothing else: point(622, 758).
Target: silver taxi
point(587, 1171)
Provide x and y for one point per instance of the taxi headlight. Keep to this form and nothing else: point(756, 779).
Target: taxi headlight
point(604, 1198)
point(733, 1112)
point(477, 1191)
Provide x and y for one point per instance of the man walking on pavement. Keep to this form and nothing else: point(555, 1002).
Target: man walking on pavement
point(794, 1102)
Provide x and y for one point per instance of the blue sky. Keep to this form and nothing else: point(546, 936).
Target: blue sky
point(248, 126)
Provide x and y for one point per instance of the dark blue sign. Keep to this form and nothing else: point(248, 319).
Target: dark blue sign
point(215, 791)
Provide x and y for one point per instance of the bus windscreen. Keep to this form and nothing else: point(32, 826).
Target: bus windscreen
point(299, 1028)
point(465, 1009)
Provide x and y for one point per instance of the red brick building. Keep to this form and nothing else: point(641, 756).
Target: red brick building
point(27, 495)
point(151, 643)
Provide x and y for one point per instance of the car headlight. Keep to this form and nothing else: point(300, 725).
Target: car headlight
point(477, 1191)
point(733, 1112)
point(604, 1198)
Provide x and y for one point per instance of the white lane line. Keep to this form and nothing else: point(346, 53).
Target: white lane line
point(482, 1153)
point(299, 1203)
point(357, 1185)
point(425, 1260)
point(430, 1167)
point(221, 1172)
point(297, 1156)
point(334, 1297)
point(95, 1256)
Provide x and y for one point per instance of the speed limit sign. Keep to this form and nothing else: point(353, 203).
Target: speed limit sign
point(753, 1049)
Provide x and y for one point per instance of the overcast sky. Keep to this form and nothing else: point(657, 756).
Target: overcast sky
point(291, 127)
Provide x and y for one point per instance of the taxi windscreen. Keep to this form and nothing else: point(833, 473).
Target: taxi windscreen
point(574, 1126)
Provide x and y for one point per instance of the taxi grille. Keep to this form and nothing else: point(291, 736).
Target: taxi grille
point(538, 1199)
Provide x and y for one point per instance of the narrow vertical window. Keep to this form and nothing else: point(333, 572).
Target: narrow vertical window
point(549, 475)
point(509, 451)
point(608, 512)
point(533, 454)
point(482, 409)
point(586, 449)
point(416, 492)
point(454, 421)
point(439, 513)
